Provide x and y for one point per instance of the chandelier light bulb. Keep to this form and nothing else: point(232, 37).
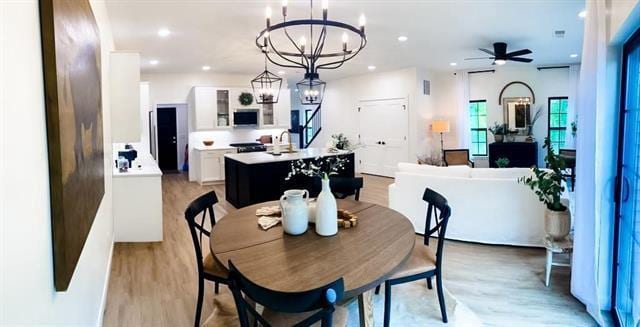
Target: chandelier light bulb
point(345, 39)
point(284, 7)
point(268, 13)
point(302, 43)
point(325, 7)
point(362, 21)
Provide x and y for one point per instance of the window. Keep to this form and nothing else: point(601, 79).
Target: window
point(478, 123)
point(558, 108)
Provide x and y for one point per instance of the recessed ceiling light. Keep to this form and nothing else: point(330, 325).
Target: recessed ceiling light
point(371, 67)
point(573, 55)
point(164, 32)
point(582, 14)
point(154, 62)
point(402, 38)
point(206, 67)
point(453, 64)
point(281, 72)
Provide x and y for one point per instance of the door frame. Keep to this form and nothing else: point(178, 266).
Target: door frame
point(405, 99)
point(634, 40)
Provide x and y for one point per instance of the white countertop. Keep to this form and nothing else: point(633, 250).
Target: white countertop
point(252, 158)
point(145, 171)
point(149, 167)
point(203, 147)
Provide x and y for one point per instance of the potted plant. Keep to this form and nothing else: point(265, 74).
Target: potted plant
point(498, 131)
point(547, 185)
point(502, 162)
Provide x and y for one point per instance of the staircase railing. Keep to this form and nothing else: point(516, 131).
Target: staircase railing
point(311, 128)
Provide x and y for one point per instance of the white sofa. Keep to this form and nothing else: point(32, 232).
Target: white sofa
point(488, 205)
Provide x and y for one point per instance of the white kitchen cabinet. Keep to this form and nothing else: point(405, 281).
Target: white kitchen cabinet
point(209, 164)
point(204, 107)
point(210, 108)
point(277, 114)
point(283, 110)
point(124, 86)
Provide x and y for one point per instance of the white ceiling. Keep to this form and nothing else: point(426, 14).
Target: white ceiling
point(221, 33)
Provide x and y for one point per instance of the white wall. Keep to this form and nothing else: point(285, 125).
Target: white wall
point(545, 84)
point(339, 107)
point(28, 296)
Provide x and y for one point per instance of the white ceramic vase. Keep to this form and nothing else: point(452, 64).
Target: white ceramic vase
point(295, 214)
point(557, 224)
point(326, 211)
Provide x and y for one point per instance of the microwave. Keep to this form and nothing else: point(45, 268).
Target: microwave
point(245, 117)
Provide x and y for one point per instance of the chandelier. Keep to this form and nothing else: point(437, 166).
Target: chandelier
point(311, 56)
point(266, 86)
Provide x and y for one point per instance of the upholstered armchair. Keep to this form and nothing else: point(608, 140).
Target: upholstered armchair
point(457, 157)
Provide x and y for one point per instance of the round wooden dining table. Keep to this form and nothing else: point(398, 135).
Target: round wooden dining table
point(364, 255)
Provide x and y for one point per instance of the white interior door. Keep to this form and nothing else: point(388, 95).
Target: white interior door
point(383, 126)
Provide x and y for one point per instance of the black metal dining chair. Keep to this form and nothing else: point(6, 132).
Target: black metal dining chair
point(208, 267)
point(423, 263)
point(341, 187)
point(283, 309)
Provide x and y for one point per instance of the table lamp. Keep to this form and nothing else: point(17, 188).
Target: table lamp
point(440, 126)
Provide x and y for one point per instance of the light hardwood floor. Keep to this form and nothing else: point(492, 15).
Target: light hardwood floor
point(155, 284)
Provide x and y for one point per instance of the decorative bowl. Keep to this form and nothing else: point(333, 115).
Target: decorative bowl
point(207, 142)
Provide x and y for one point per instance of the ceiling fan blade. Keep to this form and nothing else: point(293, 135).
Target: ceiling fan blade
point(477, 58)
point(487, 51)
point(519, 53)
point(520, 59)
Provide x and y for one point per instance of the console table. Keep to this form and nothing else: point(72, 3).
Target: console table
point(520, 154)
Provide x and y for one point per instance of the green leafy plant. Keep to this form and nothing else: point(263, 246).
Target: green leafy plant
point(498, 129)
point(502, 162)
point(547, 183)
point(245, 98)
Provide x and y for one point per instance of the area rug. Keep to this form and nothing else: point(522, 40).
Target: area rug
point(412, 304)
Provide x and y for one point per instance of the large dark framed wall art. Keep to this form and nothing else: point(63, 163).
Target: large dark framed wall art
point(73, 101)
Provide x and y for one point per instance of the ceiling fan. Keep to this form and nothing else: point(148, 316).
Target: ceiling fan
point(500, 55)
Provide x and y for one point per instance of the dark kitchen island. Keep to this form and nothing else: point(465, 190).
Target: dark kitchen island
point(256, 177)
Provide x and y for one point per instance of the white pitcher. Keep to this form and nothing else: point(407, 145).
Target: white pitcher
point(326, 211)
point(295, 214)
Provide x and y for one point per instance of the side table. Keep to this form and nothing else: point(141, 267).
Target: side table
point(557, 247)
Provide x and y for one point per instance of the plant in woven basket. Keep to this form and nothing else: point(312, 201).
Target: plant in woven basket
point(245, 98)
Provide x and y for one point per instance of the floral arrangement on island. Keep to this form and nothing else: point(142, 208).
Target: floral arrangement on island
point(321, 167)
point(339, 142)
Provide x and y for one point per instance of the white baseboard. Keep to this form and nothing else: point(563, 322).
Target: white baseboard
point(105, 290)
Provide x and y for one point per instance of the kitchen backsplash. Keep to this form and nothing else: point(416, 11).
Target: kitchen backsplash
point(232, 136)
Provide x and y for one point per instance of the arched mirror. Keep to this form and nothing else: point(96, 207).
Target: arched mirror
point(516, 99)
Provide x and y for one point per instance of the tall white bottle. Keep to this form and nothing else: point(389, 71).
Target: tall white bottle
point(326, 211)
